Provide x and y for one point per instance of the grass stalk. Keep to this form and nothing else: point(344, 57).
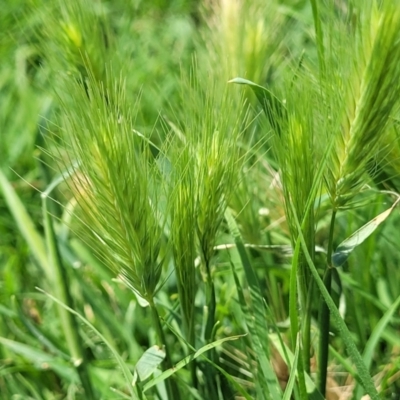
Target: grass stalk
point(324, 318)
point(211, 303)
point(209, 329)
point(307, 328)
point(170, 384)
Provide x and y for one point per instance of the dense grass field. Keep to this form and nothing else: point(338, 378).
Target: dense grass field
point(198, 199)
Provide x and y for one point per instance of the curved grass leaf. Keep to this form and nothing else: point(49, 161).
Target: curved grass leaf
point(272, 106)
point(169, 372)
point(348, 245)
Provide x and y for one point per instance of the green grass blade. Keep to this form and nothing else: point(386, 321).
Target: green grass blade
point(287, 395)
point(41, 359)
point(293, 314)
point(319, 35)
point(261, 382)
point(36, 332)
point(230, 379)
point(59, 279)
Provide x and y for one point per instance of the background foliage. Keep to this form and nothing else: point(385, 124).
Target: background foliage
point(166, 234)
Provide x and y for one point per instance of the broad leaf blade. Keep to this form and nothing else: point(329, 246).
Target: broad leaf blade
point(149, 362)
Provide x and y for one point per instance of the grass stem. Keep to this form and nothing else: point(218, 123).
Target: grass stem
point(170, 384)
point(324, 318)
point(307, 328)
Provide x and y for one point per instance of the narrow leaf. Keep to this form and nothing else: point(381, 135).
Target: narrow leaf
point(285, 352)
point(287, 395)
